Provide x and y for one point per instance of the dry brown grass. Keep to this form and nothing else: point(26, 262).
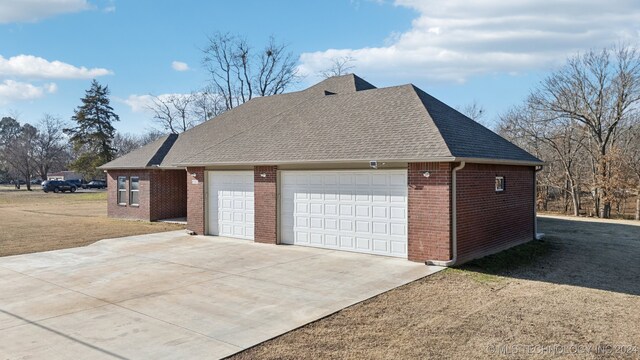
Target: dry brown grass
point(581, 286)
point(35, 221)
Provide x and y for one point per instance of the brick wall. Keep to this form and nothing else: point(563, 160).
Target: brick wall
point(195, 200)
point(429, 211)
point(489, 222)
point(265, 205)
point(127, 211)
point(168, 194)
point(162, 195)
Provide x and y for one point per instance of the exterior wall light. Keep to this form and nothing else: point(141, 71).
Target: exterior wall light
point(263, 175)
point(193, 175)
point(426, 174)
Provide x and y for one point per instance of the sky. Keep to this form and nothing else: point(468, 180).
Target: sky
point(491, 52)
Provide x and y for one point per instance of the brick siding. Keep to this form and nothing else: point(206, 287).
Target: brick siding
point(265, 204)
point(429, 211)
point(195, 200)
point(127, 211)
point(162, 195)
point(490, 221)
point(168, 194)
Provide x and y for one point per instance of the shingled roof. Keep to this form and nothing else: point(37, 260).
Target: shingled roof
point(340, 119)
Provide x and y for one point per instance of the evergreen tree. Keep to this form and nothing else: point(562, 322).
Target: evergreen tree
point(92, 138)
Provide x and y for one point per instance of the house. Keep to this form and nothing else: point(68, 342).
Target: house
point(64, 175)
point(341, 165)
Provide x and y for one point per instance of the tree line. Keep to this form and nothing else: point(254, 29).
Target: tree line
point(583, 121)
point(29, 152)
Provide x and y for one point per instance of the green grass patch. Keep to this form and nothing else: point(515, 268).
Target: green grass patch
point(512, 259)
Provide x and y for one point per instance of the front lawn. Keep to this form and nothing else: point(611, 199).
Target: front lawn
point(577, 291)
point(32, 221)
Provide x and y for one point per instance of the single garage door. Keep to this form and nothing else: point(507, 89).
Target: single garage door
point(231, 204)
point(361, 211)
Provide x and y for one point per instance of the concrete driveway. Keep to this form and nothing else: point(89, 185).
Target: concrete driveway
point(168, 295)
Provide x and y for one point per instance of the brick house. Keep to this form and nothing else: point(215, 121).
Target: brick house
point(341, 165)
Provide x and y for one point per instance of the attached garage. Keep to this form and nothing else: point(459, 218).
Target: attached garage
point(344, 165)
point(231, 204)
point(361, 210)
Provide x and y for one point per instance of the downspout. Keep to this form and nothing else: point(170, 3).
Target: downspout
point(454, 222)
point(536, 235)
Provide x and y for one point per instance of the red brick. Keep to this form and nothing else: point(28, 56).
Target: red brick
point(162, 195)
point(265, 204)
point(195, 200)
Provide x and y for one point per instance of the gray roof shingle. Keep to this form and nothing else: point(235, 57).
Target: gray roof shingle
point(340, 119)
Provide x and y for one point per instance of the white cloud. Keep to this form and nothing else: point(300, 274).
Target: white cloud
point(141, 103)
point(34, 67)
point(457, 39)
point(34, 10)
point(138, 103)
point(11, 90)
point(179, 66)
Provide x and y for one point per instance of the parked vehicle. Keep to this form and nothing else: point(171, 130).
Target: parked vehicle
point(58, 186)
point(95, 184)
point(79, 184)
point(36, 182)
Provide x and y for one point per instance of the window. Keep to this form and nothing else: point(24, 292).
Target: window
point(135, 191)
point(122, 190)
point(499, 183)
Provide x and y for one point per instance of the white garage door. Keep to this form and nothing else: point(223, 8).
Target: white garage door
point(362, 211)
point(231, 204)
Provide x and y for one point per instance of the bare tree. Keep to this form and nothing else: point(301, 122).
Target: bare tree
point(237, 74)
point(600, 90)
point(560, 142)
point(125, 143)
point(630, 146)
point(174, 112)
point(50, 148)
point(207, 104)
point(340, 65)
point(18, 153)
point(474, 111)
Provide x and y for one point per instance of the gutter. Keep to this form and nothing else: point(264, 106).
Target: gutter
point(366, 161)
point(536, 234)
point(454, 222)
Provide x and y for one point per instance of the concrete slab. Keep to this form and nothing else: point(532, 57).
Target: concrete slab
point(174, 296)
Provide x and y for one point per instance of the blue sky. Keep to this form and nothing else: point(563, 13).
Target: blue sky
point(486, 51)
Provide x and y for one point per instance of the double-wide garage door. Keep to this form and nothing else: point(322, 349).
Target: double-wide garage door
point(362, 211)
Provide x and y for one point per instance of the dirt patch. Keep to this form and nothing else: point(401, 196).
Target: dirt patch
point(35, 221)
point(576, 292)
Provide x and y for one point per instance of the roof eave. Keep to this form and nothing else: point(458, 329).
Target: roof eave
point(330, 161)
point(499, 161)
point(141, 168)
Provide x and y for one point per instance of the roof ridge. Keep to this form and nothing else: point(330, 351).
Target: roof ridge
point(463, 135)
point(416, 91)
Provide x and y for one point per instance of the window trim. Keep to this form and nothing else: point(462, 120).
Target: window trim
point(121, 200)
point(132, 190)
point(500, 180)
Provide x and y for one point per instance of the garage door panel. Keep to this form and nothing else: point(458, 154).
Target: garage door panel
point(363, 211)
point(231, 204)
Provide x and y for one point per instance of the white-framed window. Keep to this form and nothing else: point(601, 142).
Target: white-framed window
point(499, 183)
point(122, 190)
point(134, 185)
